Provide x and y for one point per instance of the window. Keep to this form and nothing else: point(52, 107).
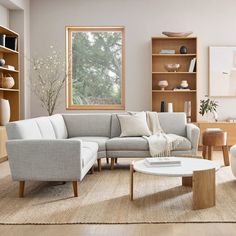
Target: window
point(95, 68)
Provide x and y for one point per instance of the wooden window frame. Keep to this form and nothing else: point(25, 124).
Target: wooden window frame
point(69, 96)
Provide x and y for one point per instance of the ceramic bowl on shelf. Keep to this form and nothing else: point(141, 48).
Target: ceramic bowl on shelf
point(163, 84)
point(177, 34)
point(172, 67)
point(7, 82)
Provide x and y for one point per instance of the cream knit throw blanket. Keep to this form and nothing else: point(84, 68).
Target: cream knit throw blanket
point(160, 144)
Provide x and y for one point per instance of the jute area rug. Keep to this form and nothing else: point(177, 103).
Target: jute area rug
point(103, 198)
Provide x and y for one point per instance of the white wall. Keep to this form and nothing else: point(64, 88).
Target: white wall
point(4, 16)
point(213, 22)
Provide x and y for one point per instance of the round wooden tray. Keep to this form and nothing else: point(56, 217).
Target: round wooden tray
point(177, 34)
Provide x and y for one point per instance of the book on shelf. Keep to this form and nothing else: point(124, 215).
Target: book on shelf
point(192, 65)
point(2, 39)
point(9, 67)
point(161, 161)
point(167, 51)
point(11, 42)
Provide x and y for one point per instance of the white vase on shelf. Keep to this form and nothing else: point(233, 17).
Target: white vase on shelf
point(5, 112)
point(170, 107)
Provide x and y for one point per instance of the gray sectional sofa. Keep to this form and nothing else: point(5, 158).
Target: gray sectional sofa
point(64, 147)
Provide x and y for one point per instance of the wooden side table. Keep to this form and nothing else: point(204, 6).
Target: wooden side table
point(212, 139)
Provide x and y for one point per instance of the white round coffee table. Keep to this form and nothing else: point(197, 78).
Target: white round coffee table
point(195, 172)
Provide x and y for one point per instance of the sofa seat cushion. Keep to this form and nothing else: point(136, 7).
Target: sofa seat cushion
point(88, 151)
point(185, 144)
point(127, 143)
point(101, 141)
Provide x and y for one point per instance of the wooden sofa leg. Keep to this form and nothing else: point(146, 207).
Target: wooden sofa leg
point(107, 160)
point(99, 164)
point(75, 188)
point(112, 163)
point(92, 170)
point(21, 188)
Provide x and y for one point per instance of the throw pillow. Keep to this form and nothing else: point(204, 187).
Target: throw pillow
point(134, 125)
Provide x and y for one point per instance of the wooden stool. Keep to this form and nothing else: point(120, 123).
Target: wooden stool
point(212, 139)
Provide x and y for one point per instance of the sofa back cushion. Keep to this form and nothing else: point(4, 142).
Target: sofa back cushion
point(24, 129)
point(59, 126)
point(45, 127)
point(115, 126)
point(174, 123)
point(88, 124)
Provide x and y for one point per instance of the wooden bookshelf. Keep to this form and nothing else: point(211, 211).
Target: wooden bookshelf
point(11, 57)
point(159, 72)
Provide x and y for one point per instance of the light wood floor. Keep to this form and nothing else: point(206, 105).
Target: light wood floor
point(206, 229)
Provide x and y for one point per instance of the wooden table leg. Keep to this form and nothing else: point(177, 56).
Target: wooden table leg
point(131, 182)
point(210, 149)
point(204, 152)
point(187, 181)
point(21, 188)
point(116, 160)
point(226, 155)
point(107, 159)
point(203, 189)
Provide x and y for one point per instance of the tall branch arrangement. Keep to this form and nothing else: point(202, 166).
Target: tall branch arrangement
point(47, 79)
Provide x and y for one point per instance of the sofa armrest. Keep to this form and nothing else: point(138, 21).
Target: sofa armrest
point(49, 160)
point(193, 133)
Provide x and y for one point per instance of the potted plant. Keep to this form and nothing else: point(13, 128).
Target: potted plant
point(47, 79)
point(208, 106)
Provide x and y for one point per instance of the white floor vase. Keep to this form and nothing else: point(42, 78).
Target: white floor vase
point(5, 111)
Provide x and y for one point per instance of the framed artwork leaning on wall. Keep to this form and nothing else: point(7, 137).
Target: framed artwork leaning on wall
point(222, 71)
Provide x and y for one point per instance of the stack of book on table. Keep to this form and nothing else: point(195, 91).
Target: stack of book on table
point(161, 162)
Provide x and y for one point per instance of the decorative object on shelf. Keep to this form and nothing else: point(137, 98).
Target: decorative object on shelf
point(170, 107)
point(163, 84)
point(162, 106)
point(192, 65)
point(48, 78)
point(2, 62)
point(222, 71)
point(2, 39)
point(5, 112)
point(172, 67)
point(231, 120)
point(177, 34)
point(7, 81)
point(183, 86)
point(167, 51)
point(187, 110)
point(209, 106)
point(183, 50)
